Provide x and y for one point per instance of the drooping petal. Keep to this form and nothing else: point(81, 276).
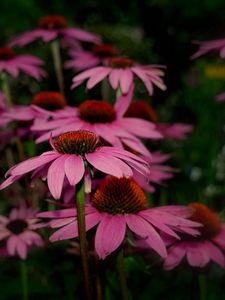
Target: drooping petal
point(74, 169)
point(56, 176)
point(109, 235)
point(126, 79)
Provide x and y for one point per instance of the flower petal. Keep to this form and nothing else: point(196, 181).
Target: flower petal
point(74, 169)
point(109, 235)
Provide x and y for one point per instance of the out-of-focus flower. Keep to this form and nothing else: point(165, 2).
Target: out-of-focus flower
point(105, 120)
point(207, 46)
point(81, 59)
point(43, 101)
point(71, 152)
point(52, 27)
point(199, 251)
point(18, 230)
point(141, 109)
point(118, 205)
point(121, 73)
point(159, 172)
point(13, 64)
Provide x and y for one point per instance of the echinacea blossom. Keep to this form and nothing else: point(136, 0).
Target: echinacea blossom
point(73, 154)
point(117, 206)
point(220, 97)
point(141, 109)
point(13, 64)
point(121, 73)
point(207, 46)
point(51, 27)
point(199, 251)
point(19, 231)
point(49, 101)
point(81, 59)
point(105, 120)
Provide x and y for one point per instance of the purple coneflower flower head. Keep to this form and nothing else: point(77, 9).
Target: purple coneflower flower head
point(19, 231)
point(117, 206)
point(72, 153)
point(42, 106)
point(13, 64)
point(81, 59)
point(199, 251)
point(52, 27)
point(105, 120)
point(121, 73)
point(220, 97)
point(207, 46)
point(141, 109)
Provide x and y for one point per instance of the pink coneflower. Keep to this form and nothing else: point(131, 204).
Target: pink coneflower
point(43, 101)
point(199, 251)
point(106, 121)
point(121, 73)
point(73, 153)
point(81, 60)
point(118, 205)
point(18, 230)
point(207, 46)
point(13, 64)
point(220, 97)
point(141, 109)
point(50, 28)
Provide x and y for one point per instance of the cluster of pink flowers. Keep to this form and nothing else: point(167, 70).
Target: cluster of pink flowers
point(106, 148)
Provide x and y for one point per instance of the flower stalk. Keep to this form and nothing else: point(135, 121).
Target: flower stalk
point(122, 276)
point(57, 64)
point(80, 202)
point(24, 279)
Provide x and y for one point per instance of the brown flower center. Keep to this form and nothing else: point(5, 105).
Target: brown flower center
point(119, 196)
point(17, 226)
point(142, 110)
point(49, 100)
point(105, 50)
point(208, 218)
point(52, 22)
point(77, 142)
point(95, 111)
point(120, 62)
point(6, 53)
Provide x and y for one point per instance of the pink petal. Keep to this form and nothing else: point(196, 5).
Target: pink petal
point(74, 169)
point(216, 254)
point(33, 163)
point(97, 77)
point(126, 79)
point(114, 78)
point(142, 228)
point(110, 234)
point(56, 176)
point(175, 256)
point(105, 163)
point(123, 102)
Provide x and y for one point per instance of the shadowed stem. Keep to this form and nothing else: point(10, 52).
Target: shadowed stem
point(24, 279)
point(98, 279)
point(202, 286)
point(122, 276)
point(80, 201)
point(58, 64)
point(6, 89)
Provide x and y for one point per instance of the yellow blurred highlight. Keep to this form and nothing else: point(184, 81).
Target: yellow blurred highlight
point(215, 72)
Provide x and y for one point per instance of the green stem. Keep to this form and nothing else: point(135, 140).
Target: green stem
point(122, 276)
point(24, 279)
point(80, 201)
point(6, 89)
point(57, 64)
point(202, 281)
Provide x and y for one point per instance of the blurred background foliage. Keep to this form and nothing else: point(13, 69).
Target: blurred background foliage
point(157, 31)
